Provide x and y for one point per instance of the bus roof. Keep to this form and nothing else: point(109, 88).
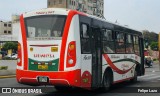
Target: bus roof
point(63, 11)
point(47, 11)
point(95, 17)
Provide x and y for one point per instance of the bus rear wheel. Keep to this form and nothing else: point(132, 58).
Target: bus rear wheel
point(107, 81)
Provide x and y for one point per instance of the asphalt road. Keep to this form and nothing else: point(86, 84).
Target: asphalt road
point(151, 80)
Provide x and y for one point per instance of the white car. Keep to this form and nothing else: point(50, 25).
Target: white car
point(14, 56)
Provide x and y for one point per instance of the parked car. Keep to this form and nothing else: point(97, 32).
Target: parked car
point(14, 56)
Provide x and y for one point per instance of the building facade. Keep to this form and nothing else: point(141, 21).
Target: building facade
point(92, 7)
point(5, 28)
point(8, 32)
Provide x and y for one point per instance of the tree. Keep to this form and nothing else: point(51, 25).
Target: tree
point(10, 45)
point(150, 36)
point(154, 46)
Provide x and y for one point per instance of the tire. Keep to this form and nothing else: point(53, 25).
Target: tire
point(107, 81)
point(135, 77)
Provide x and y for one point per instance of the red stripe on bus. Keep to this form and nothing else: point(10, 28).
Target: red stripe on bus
point(65, 36)
point(24, 40)
point(114, 67)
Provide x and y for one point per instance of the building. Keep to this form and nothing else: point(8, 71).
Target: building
point(5, 28)
point(92, 7)
point(8, 32)
point(15, 18)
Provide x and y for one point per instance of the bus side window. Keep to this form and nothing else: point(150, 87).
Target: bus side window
point(136, 45)
point(85, 40)
point(108, 41)
point(120, 44)
point(85, 30)
point(129, 43)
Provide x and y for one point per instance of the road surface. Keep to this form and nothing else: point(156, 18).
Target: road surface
point(151, 80)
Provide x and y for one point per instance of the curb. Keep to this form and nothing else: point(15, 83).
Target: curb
point(9, 76)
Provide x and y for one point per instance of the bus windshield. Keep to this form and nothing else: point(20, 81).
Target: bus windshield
point(45, 26)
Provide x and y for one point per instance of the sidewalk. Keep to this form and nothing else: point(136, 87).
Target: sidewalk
point(10, 71)
point(154, 68)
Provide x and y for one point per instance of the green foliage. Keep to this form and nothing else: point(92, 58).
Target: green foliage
point(3, 67)
point(10, 45)
point(150, 36)
point(154, 46)
point(155, 59)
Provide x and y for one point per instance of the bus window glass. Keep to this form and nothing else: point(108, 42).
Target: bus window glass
point(136, 45)
point(120, 37)
point(128, 39)
point(107, 35)
point(43, 33)
point(129, 44)
point(85, 43)
point(45, 26)
point(120, 46)
point(85, 31)
point(31, 32)
point(108, 47)
point(108, 41)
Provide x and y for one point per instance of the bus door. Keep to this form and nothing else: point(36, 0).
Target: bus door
point(96, 57)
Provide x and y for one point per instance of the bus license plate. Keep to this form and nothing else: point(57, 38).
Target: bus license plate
point(43, 79)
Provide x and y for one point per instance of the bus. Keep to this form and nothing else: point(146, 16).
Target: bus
point(67, 48)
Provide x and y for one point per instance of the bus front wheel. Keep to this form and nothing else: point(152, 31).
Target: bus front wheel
point(135, 76)
point(107, 81)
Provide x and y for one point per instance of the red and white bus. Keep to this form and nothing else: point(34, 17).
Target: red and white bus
point(63, 47)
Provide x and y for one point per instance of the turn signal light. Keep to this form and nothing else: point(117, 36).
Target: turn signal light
point(71, 46)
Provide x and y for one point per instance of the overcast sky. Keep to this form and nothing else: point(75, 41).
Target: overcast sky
point(137, 14)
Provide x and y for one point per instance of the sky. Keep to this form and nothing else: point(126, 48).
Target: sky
point(136, 14)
